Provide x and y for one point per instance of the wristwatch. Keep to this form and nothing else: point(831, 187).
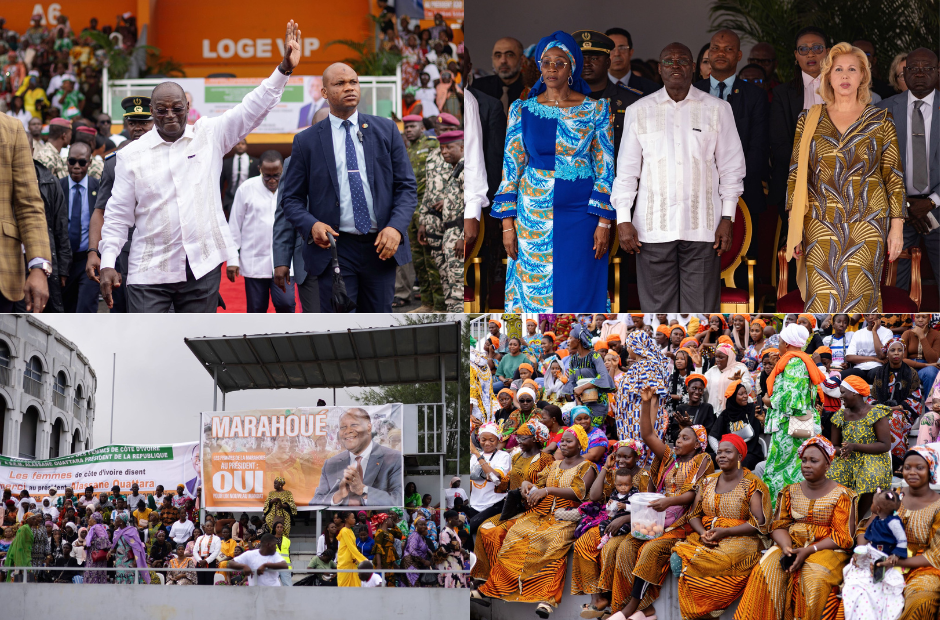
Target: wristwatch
point(727, 217)
point(95, 250)
point(46, 267)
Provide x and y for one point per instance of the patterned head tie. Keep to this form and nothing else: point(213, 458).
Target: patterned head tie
point(280, 480)
point(929, 454)
point(820, 442)
point(702, 434)
point(578, 431)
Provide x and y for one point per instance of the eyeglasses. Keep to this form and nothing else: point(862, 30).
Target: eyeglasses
point(268, 177)
point(672, 62)
point(81, 162)
point(555, 65)
point(161, 112)
point(804, 50)
point(924, 70)
point(623, 49)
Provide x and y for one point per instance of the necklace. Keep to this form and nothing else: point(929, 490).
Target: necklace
point(557, 103)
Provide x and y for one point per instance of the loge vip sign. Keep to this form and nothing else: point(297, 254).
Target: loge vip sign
point(254, 48)
point(311, 449)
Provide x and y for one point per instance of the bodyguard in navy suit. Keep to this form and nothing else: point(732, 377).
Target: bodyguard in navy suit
point(79, 294)
point(350, 176)
point(916, 115)
point(750, 108)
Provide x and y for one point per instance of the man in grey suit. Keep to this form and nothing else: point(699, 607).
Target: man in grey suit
point(288, 247)
point(365, 473)
point(918, 126)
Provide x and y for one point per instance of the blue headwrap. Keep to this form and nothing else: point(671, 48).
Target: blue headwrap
point(567, 44)
point(577, 330)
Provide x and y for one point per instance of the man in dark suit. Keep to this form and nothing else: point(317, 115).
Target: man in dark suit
point(288, 250)
point(596, 49)
point(79, 294)
point(58, 225)
point(749, 105)
point(506, 85)
point(236, 170)
point(918, 126)
point(620, 72)
point(352, 179)
point(365, 473)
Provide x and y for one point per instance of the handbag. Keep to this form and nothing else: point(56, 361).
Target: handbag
point(99, 556)
point(801, 426)
point(512, 505)
point(428, 579)
point(800, 198)
point(564, 514)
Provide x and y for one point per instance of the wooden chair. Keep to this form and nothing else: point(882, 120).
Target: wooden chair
point(893, 299)
point(736, 300)
point(472, 297)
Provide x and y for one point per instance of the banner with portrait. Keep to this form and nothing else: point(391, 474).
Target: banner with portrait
point(105, 467)
point(321, 456)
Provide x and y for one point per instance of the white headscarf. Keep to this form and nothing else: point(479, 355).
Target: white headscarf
point(795, 335)
point(527, 390)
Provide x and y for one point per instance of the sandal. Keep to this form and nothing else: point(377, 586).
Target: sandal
point(398, 302)
point(543, 610)
point(588, 610)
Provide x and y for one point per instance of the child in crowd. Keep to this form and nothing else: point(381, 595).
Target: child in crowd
point(367, 578)
point(870, 591)
point(930, 422)
point(365, 544)
point(618, 508)
point(838, 341)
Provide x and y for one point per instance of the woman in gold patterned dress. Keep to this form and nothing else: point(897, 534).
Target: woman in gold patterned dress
point(814, 525)
point(854, 202)
point(528, 461)
point(731, 516)
point(920, 513)
point(592, 570)
point(530, 566)
point(642, 565)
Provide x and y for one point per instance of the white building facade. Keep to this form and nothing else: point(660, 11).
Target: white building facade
point(47, 391)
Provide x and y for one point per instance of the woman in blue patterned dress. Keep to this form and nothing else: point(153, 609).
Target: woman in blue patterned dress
point(649, 368)
point(557, 171)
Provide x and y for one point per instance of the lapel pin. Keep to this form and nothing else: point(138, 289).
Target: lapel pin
point(365, 125)
point(94, 193)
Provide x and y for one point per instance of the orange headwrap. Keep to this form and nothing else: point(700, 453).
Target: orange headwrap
point(732, 388)
point(724, 323)
point(746, 317)
point(527, 366)
point(494, 341)
point(498, 324)
point(759, 322)
point(664, 330)
point(531, 321)
point(601, 345)
point(688, 340)
point(673, 328)
point(822, 350)
point(725, 340)
point(562, 353)
point(638, 315)
point(613, 338)
point(550, 335)
point(857, 385)
point(768, 351)
point(695, 375)
point(810, 318)
point(508, 391)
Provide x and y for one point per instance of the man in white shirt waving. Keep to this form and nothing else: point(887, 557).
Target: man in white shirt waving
point(252, 226)
point(206, 555)
point(165, 185)
point(681, 159)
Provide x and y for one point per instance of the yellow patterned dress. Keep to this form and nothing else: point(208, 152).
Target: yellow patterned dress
point(530, 566)
point(592, 570)
point(771, 593)
point(492, 532)
point(922, 589)
point(649, 560)
point(856, 184)
point(714, 577)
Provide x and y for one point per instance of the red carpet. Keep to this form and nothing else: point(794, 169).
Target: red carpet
point(233, 293)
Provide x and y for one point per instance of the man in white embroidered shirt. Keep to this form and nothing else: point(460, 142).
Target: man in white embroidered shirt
point(206, 555)
point(166, 185)
point(365, 473)
point(681, 159)
point(252, 226)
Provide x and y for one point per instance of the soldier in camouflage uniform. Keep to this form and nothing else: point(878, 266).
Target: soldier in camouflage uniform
point(420, 147)
point(442, 215)
point(47, 153)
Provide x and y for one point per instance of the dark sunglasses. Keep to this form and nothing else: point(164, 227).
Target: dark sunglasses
point(525, 400)
point(81, 162)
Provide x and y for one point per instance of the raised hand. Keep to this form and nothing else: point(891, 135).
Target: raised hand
point(647, 393)
point(291, 47)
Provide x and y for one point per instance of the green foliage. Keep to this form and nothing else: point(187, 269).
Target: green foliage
point(893, 26)
point(371, 61)
point(431, 393)
point(158, 65)
point(119, 62)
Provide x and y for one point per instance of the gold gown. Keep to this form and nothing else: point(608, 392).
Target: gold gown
point(856, 184)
